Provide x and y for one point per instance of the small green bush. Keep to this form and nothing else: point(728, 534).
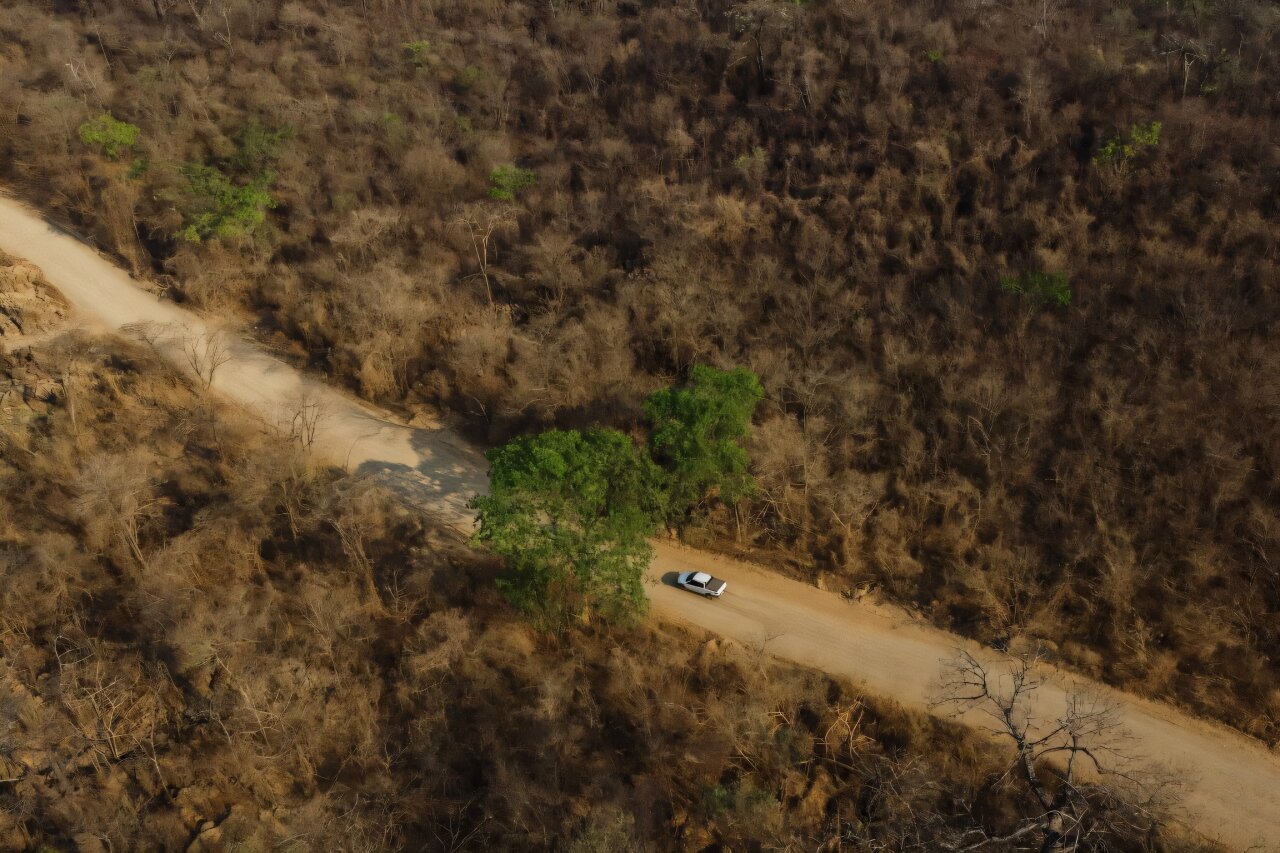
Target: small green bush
point(231, 198)
point(109, 134)
point(228, 209)
point(1119, 151)
point(393, 128)
point(753, 164)
point(258, 148)
point(506, 181)
point(1043, 288)
point(416, 52)
point(139, 167)
point(466, 78)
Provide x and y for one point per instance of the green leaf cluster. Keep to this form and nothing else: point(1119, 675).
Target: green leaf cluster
point(1042, 288)
point(1119, 151)
point(465, 79)
point(109, 134)
point(231, 198)
point(416, 52)
point(506, 181)
point(258, 148)
point(228, 209)
point(697, 430)
point(753, 164)
point(571, 512)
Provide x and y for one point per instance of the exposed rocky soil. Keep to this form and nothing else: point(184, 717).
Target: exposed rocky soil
point(28, 304)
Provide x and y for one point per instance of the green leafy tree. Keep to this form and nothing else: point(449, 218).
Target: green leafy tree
point(258, 147)
point(226, 209)
point(506, 181)
point(697, 430)
point(571, 513)
point(232, 198)
point(1120, 152)
point(109, 134)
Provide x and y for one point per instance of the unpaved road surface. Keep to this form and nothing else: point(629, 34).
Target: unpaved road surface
point(1232, 791)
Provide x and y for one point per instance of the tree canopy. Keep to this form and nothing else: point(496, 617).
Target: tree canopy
point(696, 433)
point(108, 133)
point(571, 512)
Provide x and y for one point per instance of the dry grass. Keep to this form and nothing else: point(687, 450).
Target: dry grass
point(208, 643)
point(1099, 478)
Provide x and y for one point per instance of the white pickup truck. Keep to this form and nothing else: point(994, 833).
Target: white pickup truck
point(701, 583)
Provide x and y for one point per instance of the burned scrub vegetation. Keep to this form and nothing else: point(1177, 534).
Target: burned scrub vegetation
point(208, 643)
point(1007, 272)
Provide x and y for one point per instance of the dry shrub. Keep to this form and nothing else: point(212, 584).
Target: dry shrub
point(910, 156)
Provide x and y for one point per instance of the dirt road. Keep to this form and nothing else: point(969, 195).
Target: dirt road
point(1233, 783)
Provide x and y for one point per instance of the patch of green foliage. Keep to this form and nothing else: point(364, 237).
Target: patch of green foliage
point(506, 181)
point(258, 148)
point(1121, 150)
point(416, 52)
point(393, 128)
point(742, 796)
point(229, 209)
point(697, 430)
point(109, 134)
point(231, 198)
point(466, 78)
point(571, 513)
point(1042, 288)
point(934, 54)
point(752, 164)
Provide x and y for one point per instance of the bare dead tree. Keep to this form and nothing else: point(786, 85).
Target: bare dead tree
point(69, 394)
point(1190, 51)
point(154, 335)
point(162, 7)
point(482, 222)
point(114, 707)
point(295, 488)
point(761, 20)
point(304, 422)
point(205, 353)
point(1086, 792)
point(356, 515)
point(119, 489)
point(1038, 15)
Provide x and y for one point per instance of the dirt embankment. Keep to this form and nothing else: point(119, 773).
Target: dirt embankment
point(29, 305)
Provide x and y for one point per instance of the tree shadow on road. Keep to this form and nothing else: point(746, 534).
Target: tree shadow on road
point(447, 475)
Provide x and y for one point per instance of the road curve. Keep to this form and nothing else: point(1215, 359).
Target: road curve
point(1232, 783)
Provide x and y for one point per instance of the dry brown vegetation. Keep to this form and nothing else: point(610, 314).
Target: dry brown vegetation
point(206, 643)
point(825, 192)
